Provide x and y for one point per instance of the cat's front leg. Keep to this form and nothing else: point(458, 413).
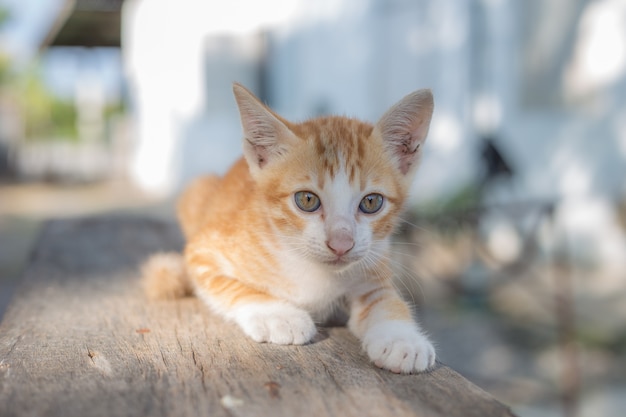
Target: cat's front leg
point(261, 316)
point(390, 336)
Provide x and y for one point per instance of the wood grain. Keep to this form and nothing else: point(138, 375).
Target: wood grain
point(80, 339)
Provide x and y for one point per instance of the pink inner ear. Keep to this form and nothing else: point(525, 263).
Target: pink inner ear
point(264, 133)
point(260, 152)
point(407, 156)
point(405, 142)
point(405, 125)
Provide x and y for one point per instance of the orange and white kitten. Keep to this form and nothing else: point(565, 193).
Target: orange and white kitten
point(302, 222)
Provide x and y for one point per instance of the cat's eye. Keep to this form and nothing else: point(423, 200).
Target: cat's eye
point(307, 201)
point(371, 203)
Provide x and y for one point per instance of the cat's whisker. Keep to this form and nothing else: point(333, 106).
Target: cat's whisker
point(413, 225)
point(416, 244)
point(407, 274)
point(372, 265)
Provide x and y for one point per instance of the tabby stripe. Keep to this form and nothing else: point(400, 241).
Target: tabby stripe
point(233, 292)
point(368, 308)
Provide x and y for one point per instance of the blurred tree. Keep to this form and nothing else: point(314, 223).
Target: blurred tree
point(5, 63)
point(46, 116)
point(5, 71)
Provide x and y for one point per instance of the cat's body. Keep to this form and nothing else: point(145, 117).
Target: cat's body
point(301, 224)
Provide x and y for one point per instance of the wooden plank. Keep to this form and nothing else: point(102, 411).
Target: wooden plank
point(80, 339)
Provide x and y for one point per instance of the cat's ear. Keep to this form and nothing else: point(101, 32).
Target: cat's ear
point(265, 135)
point(404, 128)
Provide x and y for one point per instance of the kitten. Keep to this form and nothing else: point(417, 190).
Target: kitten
point(301, 222)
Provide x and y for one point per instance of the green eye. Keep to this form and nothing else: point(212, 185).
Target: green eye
point(371, 203)
point(307, 201)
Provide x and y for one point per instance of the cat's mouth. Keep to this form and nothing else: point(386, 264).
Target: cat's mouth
point(340, 262)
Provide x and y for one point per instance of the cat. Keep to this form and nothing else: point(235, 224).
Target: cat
point(301, 222)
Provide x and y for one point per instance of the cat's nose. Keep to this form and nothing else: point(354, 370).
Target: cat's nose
point(340, 243)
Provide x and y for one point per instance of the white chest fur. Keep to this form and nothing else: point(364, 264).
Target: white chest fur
point(314, 287)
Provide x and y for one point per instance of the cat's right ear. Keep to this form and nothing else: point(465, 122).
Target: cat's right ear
point(265, 135)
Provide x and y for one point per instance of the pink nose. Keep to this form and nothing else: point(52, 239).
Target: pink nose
point(340, 244)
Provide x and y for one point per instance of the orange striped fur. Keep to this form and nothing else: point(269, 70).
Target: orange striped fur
point(301, 223)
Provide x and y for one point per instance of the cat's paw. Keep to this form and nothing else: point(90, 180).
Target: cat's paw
point(281, 324)
point(399, 347)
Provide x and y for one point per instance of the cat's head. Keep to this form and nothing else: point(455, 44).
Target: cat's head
point(333, 187)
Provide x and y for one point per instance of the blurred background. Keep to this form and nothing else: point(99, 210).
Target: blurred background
point(515, 245)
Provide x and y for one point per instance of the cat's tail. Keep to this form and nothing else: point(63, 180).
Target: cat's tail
point(164, 277)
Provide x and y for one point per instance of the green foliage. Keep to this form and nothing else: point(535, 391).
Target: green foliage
point(4, 16)
point(63, 119)
point(5, 69)
point(464, 198)
point(45, 115)
point(113, 109)
point(5, 62)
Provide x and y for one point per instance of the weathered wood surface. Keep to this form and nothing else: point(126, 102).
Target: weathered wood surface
point(80, 339)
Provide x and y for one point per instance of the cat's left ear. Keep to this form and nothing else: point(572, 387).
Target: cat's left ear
point(266, 136)
point(404, 128)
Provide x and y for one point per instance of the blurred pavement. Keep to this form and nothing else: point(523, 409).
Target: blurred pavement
point(24, 207)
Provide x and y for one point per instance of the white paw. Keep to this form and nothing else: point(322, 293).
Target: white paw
point(278, 323)
point(399, 347)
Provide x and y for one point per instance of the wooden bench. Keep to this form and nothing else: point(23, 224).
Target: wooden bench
point(80, 339)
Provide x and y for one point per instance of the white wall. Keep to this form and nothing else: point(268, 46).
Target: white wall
point(180, 60)
point(351, 57)
point(361, 58)
point(547, 78)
